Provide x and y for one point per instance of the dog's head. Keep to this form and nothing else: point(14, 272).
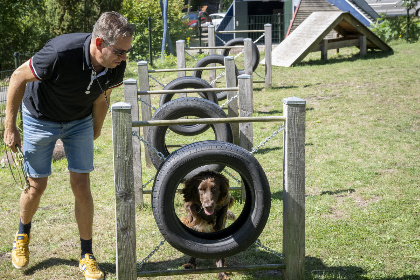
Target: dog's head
point(208, 188)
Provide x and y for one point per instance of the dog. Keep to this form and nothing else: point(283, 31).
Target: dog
point(206, 201)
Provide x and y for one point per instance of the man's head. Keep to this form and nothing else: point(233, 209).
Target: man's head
point(110, 26)
point(111, 39)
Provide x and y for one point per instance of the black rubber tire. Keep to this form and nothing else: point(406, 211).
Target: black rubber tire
point(240, 42)
point(182, 107)
point(216, 59)
point(186, 83)
point(236, 237)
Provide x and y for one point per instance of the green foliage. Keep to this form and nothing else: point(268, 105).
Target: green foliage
point(67, 16)
point(137, 13)
point(20, 19)
point(395, 28)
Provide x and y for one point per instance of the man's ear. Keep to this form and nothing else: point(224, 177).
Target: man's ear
point(98, 43)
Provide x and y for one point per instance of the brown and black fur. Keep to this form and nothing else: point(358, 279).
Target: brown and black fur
point(207, 200)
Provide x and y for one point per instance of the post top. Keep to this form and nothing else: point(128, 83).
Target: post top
point(180, 41)
point(247, 39)
point(142, 62)
point(267, 24)
point(244, 76)
point(120, 105)
point(130, 82)
point(229, 58)
point(294, 101)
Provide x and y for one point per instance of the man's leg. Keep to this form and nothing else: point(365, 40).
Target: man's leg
point(80, 184)
point(29, 202)
point(29, 199)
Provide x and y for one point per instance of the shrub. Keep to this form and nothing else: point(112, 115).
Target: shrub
point(395, 28)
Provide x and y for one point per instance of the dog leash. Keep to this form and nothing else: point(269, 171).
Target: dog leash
point(16, 161)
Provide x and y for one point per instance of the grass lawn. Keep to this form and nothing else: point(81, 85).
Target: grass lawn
point(362, 179)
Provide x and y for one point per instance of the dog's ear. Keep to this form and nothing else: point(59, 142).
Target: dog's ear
point(224, 186)
point(190, 191)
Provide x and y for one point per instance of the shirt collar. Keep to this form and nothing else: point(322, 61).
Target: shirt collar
point(87, 64)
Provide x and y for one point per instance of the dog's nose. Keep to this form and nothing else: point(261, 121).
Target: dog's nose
point(209, 204)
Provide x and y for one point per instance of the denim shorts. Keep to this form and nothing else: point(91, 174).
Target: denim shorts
point(40, 136)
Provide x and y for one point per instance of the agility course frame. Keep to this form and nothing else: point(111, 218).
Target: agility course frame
point(294, 111)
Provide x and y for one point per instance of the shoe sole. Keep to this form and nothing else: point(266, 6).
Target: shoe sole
point(19, 267)
point(91, 278)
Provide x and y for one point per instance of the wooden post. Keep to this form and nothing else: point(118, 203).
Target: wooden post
point(248, 56)
point(268, 41)
point(146, 110)
point(126, 261)
point(233, 110)
point(294, 110)
point(180, 56)
point(130, 94)
point(246, 106)
point(363, 45)
point(245, 110)
point(324, 49)
point(211, 43)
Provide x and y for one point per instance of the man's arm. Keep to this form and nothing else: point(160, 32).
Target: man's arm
point(15, 92)
point(99, 111)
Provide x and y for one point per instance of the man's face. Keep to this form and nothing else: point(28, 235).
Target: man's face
point(111, 55)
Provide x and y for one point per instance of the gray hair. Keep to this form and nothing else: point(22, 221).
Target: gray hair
point(112, 25)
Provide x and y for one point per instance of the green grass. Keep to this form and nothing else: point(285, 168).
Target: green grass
point(362, 179)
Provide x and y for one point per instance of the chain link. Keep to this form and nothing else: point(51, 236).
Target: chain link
point(140, 265)
point(153, 78)
point(254, 150)
point(191, 56)
point(217, 78)
point(228, 101)
point(232, 176)
point(160, 155)
point(259, 244)
point(259, 75)
point(144, 102)
point(259, 38)
point(224, 43)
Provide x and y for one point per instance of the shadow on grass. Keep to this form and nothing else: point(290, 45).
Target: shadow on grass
point(252, 256)
point(371, 54)
point(50, 263)
point(316, 269)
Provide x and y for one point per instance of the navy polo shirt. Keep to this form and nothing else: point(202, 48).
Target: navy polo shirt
point(67, 85)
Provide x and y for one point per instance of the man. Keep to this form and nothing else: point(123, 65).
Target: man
point(65, 89)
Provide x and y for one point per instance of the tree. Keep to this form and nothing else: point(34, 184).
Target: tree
point(22, 29)
point(137, 12)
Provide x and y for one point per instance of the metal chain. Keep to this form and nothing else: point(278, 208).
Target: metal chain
point(259, 38)
point(191, 56)
point(231, 175)
point(259, 75)
point(150, 105)
point(153, 78)
point(228, 101)
point(259, 244)
point(160, 155)
point(224, 43)
point(140, 265)
point(148, 182)
point(16, 160)
point(218, 77)
point(254, 150)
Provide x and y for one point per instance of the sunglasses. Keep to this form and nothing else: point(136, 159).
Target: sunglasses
point(118, 52)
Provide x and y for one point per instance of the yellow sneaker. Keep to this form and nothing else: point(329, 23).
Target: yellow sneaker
point(90, 268)
point(20, 252)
